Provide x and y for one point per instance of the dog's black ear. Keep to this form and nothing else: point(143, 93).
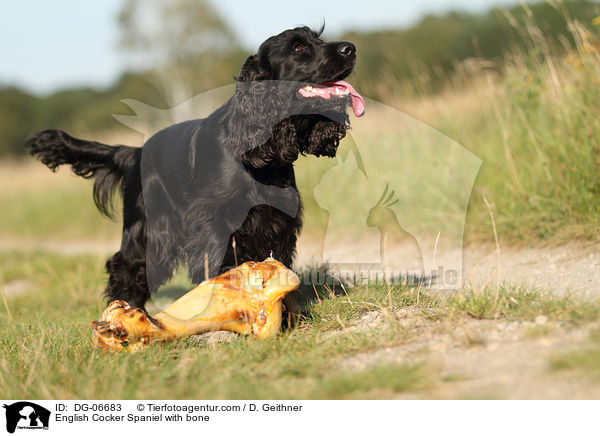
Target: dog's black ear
point(255, 68)
point(279, 150)
point(258, 102)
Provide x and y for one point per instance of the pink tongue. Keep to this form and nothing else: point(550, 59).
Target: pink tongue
point(358, 103)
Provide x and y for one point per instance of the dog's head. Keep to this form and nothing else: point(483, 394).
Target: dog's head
point(297, 77)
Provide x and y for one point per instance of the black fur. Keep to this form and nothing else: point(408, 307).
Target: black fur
point(206, 181)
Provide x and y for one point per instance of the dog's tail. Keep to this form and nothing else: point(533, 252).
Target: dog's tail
point(106, 164)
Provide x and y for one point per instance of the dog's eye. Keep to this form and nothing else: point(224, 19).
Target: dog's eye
point(299, 48)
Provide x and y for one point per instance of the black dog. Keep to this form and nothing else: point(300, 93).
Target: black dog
point(196, 185)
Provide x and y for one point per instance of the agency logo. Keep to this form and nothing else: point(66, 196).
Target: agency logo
point(26, 415)
point(390, 207)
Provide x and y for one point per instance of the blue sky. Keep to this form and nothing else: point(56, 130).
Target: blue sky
point(49, 45)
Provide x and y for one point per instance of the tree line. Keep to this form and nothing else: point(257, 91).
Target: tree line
point(420, 58)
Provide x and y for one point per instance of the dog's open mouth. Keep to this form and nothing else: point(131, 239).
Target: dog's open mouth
point(335, 89)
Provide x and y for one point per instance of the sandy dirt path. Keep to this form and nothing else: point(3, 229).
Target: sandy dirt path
point(573, 267)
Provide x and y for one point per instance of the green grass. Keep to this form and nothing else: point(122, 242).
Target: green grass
point(540, 146)
point(537, 131)
point(46, 352)
point(342, 310)
point(521, 303)
point(58, 361)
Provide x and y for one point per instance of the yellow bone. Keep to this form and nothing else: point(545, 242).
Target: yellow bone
point(245, 300)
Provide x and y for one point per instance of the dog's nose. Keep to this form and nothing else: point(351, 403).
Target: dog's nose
point(346, 49)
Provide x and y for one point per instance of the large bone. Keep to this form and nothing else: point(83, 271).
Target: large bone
point(245, 300)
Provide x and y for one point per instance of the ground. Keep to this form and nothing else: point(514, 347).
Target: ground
point(488, 358)
point(533, 337)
